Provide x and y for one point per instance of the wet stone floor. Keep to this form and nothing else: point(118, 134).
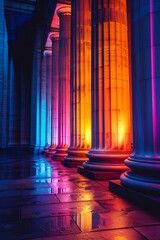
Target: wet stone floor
point(42, 199)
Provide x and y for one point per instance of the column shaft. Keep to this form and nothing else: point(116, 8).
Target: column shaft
point(144, 161)
point(43, 104)
point(111, 130)
point(48, 56)
point(54, 95)
point(80, 83)
point(64, 84)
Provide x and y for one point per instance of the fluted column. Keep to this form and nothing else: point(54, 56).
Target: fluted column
point(43, 104)
point(48, 61)
point(80, 83)
point(144, 162)
point(111, 130)
point(64, 14)
point(3, 78)
point(54, 95)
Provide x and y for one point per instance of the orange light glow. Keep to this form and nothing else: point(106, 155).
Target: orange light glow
point(81, 76)
point(116, 71)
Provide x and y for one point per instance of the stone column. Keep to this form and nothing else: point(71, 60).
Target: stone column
point(80, 84)
point(43, 104)
point(111, 130)
point(48, 56)
point(64, 14)
point(54, 95)
point(144, 162)
point(3, 78)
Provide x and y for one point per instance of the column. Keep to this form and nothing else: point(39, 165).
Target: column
point(48, 56)
point(3, 78)
point(43, 104)
point(64, 14)
point(111, 130)
point(54, 95)
point(144, 162)
point(80, 84)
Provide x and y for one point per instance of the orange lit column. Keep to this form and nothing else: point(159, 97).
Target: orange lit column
point(111, 130)
point(48, 62)
point(80, 84)
point(54, 95)
point(144, 162)
point(64, 14)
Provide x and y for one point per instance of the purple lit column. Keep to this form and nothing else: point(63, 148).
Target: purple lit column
point(64, 14)
point(54, 95)
point(80, 84)
point(144, 162)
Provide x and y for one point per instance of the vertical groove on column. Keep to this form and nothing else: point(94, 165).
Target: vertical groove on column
point(80, 84)
point(48, 61)
point(111, 132)
point(3, 77)
point(144, 162)
point(64, 14)
point(54, 99)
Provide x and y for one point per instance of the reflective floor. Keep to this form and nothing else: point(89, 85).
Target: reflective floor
point(42, 199)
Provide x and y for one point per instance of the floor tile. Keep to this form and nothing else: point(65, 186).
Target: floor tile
point(28, 200)
point(118, 234)
point(53, 226)
point(84, 196)
point(9, 214)
point(117, 204)
point(9, 193)
point(36, 191)
point(113, 220)
point(60, 209)
point(150, 232)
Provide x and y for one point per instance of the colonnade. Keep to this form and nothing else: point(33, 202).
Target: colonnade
point(91, 117)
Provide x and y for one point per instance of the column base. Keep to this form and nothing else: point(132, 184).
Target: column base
point(75, 158)
point(60, 153)
point(51, 151)
point(104, 165)
point(140, 183)
point(144, 175)
point(46, 149)
point(149, 202)
point(98, 175)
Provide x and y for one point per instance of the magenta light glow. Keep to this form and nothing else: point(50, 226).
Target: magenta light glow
point(153, 76)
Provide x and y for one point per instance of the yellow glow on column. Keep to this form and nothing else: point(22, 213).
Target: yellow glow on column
point(81, 75)
point(116, 74)
point(88, 136)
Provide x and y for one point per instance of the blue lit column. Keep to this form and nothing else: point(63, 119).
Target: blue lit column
point(43, 105)
point(144, 162)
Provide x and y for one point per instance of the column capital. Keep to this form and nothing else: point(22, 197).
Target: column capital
point(65, 10)
point(47, 53)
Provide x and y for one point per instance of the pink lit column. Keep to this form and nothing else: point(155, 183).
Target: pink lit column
point(64, 14)
point(80, 84)
point(111, 130)
point(54, 95)
point(144, 162)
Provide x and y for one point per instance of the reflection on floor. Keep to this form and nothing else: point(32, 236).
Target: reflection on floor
point(42, 199)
